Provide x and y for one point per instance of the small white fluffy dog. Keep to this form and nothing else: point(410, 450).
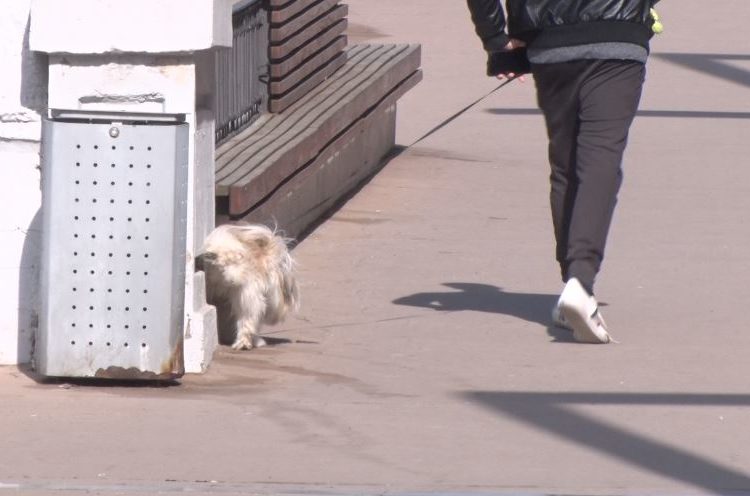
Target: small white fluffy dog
point(249, 275)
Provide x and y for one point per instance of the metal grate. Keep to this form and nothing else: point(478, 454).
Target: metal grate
point(242, 71)
point(113, 262)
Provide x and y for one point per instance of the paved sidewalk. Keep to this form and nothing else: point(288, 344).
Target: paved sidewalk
point(423, 359)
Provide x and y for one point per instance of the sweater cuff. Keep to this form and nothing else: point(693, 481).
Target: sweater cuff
point(497, 43)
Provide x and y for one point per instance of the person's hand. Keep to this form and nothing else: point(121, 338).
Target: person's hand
point(512, 45)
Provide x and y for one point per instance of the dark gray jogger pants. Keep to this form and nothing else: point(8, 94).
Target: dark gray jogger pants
point(588, 106)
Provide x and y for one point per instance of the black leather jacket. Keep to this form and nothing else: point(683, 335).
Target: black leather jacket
point(558, 23)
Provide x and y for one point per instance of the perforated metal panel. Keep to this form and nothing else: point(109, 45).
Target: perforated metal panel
point(113, 256)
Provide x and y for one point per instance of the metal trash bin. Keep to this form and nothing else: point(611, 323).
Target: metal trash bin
point(114, 209)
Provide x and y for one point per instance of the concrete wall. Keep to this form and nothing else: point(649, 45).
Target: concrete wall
point(148, 26)
point(23, 96)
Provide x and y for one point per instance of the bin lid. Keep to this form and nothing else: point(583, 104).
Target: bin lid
point(114, 116)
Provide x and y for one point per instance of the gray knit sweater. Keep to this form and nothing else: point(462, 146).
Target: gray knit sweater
point(596, 51)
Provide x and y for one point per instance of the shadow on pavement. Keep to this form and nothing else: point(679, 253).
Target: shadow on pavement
point(712, 64)
point(550, 412)
point(531, 307)
point(664, 114)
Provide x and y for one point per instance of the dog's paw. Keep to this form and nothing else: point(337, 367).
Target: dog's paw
point(243, 343)
point(258, 342)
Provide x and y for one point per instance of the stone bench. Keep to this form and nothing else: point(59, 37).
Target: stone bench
point(289, 168)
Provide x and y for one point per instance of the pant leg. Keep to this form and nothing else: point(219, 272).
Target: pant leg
point(609, 98)
point(557, 95)
point(588, 107)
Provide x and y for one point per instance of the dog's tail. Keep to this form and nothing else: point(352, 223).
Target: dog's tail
point(283, 297)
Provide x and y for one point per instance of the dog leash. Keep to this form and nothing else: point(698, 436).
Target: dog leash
point(458, 114)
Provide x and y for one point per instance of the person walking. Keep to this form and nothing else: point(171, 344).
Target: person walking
point(588, 60)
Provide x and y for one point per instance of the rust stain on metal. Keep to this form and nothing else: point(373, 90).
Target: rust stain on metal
point(175, 366)
point(128, 374)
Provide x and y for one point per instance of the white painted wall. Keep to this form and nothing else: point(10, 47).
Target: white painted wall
point(129, 82)
point(149, 26)
point(22, 97)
